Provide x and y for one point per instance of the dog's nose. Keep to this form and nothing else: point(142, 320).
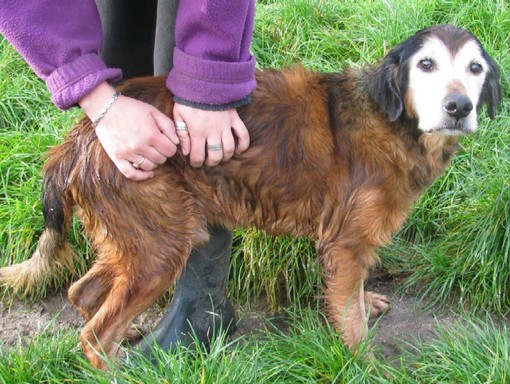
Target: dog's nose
point(457, 105)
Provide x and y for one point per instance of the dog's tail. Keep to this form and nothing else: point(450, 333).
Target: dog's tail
point(53, 258)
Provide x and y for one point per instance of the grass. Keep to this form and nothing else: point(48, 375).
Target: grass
point(308, 352)
point(453, 252)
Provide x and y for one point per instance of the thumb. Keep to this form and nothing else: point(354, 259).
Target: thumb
point(166, 126)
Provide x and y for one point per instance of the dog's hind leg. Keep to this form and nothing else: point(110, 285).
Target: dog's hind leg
point(89, 293)
point(136, 282)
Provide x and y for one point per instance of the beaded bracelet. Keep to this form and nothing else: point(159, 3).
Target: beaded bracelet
point(108, 105)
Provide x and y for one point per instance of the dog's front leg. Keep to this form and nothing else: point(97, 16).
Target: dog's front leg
point(344, 275)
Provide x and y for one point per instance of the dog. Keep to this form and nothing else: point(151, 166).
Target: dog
point(338, 157)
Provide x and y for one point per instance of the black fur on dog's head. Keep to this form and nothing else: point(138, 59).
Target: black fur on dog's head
point(430, 66)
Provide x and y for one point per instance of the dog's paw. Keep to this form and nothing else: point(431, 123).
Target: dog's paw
point(376, 303)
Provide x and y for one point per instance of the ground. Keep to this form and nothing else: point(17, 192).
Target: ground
point(406, 320)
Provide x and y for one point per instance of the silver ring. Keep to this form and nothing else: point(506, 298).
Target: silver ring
point(138, 164)
point(214, 147)
point(181, 126)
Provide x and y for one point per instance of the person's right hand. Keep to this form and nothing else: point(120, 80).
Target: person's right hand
point(131, 132)
point(206, 128)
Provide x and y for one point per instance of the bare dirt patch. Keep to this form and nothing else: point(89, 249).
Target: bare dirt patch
point(20, 321)
point(396, 329)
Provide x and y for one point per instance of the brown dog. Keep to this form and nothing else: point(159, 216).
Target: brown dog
point(337, 157)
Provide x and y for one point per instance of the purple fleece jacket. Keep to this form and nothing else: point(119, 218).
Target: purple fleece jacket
point(61, 41)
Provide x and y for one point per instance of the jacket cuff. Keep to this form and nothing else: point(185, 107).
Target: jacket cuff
point(210, 82)
point(70, 82)
point(216, 107)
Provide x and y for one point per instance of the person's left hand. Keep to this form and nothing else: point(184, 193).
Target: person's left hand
point(209, 138)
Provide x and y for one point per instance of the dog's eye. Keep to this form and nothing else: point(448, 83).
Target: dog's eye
point(426, 65)
point(476, 68)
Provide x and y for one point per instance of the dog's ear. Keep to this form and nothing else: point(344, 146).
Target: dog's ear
point(491, 92)
point(384, 86)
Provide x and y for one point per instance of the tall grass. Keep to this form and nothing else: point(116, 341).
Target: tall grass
point(454, 250)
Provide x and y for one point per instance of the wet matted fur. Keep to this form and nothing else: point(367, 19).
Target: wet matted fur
point(340, 158)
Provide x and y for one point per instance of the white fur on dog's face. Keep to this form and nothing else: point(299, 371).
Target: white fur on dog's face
point(434, 73)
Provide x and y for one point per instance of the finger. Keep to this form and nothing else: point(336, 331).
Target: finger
point(243, 136)
point(150, 153)
point(164, 138)
point(229, 144)
point(166, 126)
point(145, 165)
point(197, 152)
point(214, 152)
point(183, 137)
point(126, 168)
point(164, 147)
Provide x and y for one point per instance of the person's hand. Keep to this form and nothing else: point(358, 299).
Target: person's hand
point(209, 137)
point(136, 136)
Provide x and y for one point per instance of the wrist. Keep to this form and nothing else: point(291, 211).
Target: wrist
point(94, 102)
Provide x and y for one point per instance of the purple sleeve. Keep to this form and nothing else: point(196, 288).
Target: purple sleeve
point(60, 40)
point(212, 61)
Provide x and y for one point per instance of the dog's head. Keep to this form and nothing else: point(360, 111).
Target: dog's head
point(441, 77)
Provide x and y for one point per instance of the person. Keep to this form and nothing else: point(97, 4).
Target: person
point(204, 49)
